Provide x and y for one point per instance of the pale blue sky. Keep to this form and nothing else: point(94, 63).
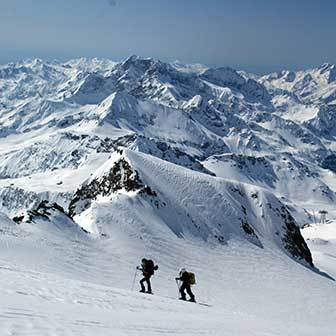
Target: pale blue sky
point(256, 35)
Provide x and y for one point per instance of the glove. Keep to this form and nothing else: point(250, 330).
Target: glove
point(177, 279)
point(138, 268)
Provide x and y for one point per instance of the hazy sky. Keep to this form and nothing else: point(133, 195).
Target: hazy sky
point(256, 35)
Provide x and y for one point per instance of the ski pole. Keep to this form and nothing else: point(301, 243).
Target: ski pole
point(135, 274)
point(178, 287)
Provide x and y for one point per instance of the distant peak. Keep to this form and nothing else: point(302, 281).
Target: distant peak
point(37, 61)
point(136, 58)
point(137, 62)
point(325, 66)
point(131, 58)
point(329, 70)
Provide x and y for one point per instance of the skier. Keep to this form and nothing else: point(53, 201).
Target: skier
point(187, 279)
point(147, 267)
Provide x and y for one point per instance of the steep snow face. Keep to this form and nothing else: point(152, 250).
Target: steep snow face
point(151, 196)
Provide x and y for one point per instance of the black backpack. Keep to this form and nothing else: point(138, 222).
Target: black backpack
point(150, 268)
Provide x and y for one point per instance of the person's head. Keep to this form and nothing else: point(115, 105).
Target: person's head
point(183, 270)
point(143, 261)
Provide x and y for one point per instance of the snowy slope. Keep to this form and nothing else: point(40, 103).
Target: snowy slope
point(179, 202)
point(66, 283)
point(270, 171)
point(321, 239)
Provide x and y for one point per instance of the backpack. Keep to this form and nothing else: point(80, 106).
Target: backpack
point(150, 267)
point(192, 278)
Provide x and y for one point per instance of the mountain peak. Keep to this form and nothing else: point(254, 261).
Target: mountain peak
point(137, 62)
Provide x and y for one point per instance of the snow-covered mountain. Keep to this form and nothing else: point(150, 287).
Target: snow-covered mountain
point(310, 86)
point(58, 116)
point(115, 160)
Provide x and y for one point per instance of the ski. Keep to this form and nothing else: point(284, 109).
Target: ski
point(199, 303)
point(204, 304)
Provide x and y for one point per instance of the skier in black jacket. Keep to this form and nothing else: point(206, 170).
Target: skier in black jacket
point(185, 277)
point(147, 267)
